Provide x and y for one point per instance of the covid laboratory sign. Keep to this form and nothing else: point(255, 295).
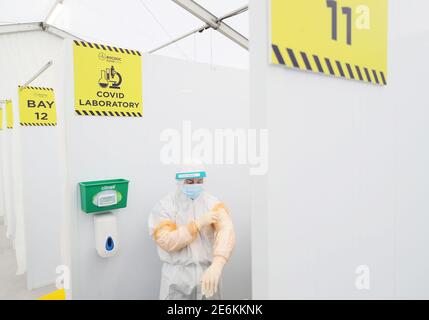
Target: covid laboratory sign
point(341, 38)
point(107, 80)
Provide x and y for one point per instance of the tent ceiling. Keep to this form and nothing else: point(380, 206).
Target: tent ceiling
point(140, 24)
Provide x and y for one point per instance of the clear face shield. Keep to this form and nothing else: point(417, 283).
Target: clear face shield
point(191, 183)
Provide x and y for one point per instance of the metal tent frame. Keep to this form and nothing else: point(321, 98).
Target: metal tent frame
point(210, 20)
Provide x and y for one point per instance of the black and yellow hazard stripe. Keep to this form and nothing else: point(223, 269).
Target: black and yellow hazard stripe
point(106, 47)
point(36, 88)
point(109, 113)
point(36, 124)
point(312, 62)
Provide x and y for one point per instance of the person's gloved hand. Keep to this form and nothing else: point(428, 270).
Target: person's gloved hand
point(211, 277)
point(207, 219)
point(220, 206)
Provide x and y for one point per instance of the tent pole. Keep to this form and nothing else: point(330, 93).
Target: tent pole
point(200, 29)
point(179, 38)
point(36, 26)
point(61, 33)
point(20, 27)
point(215, 23)
point(43, 69)
point(51, 12)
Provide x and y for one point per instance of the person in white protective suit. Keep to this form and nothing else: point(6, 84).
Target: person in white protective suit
point(195, 238)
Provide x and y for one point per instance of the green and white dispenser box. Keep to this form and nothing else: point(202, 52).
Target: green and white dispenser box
point(103, 195)
point(99, 198)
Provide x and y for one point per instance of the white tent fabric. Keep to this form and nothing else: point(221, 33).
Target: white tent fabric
point(136, 24)
point(22, 55)
point(140, 24)
point(2, 175)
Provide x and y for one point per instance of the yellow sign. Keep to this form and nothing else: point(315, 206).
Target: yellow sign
point(37, 106)
point(342, 38)
point(107, 80)
point(1, 118)
point(9, 114)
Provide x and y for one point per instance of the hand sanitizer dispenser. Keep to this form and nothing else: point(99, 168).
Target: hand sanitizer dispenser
point(100, 198)
point(106, 234)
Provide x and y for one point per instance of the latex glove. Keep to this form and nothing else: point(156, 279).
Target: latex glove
point(211, 277)
point(207, 219)
point(220, 206)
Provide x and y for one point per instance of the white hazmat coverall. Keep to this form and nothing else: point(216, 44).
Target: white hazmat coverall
point(185, 251)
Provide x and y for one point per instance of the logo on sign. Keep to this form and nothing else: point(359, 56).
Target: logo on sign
point(108, 187)
point(110, 78)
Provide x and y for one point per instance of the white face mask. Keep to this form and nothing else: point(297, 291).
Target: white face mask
point(192, 191)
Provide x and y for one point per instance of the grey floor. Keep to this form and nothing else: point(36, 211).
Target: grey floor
point(13, 287)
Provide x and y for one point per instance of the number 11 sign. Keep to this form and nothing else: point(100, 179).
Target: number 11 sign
point(341, 38)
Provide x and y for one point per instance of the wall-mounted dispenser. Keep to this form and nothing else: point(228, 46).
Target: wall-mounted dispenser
point(106, 234)
point(104, 195)
point(100, 198)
